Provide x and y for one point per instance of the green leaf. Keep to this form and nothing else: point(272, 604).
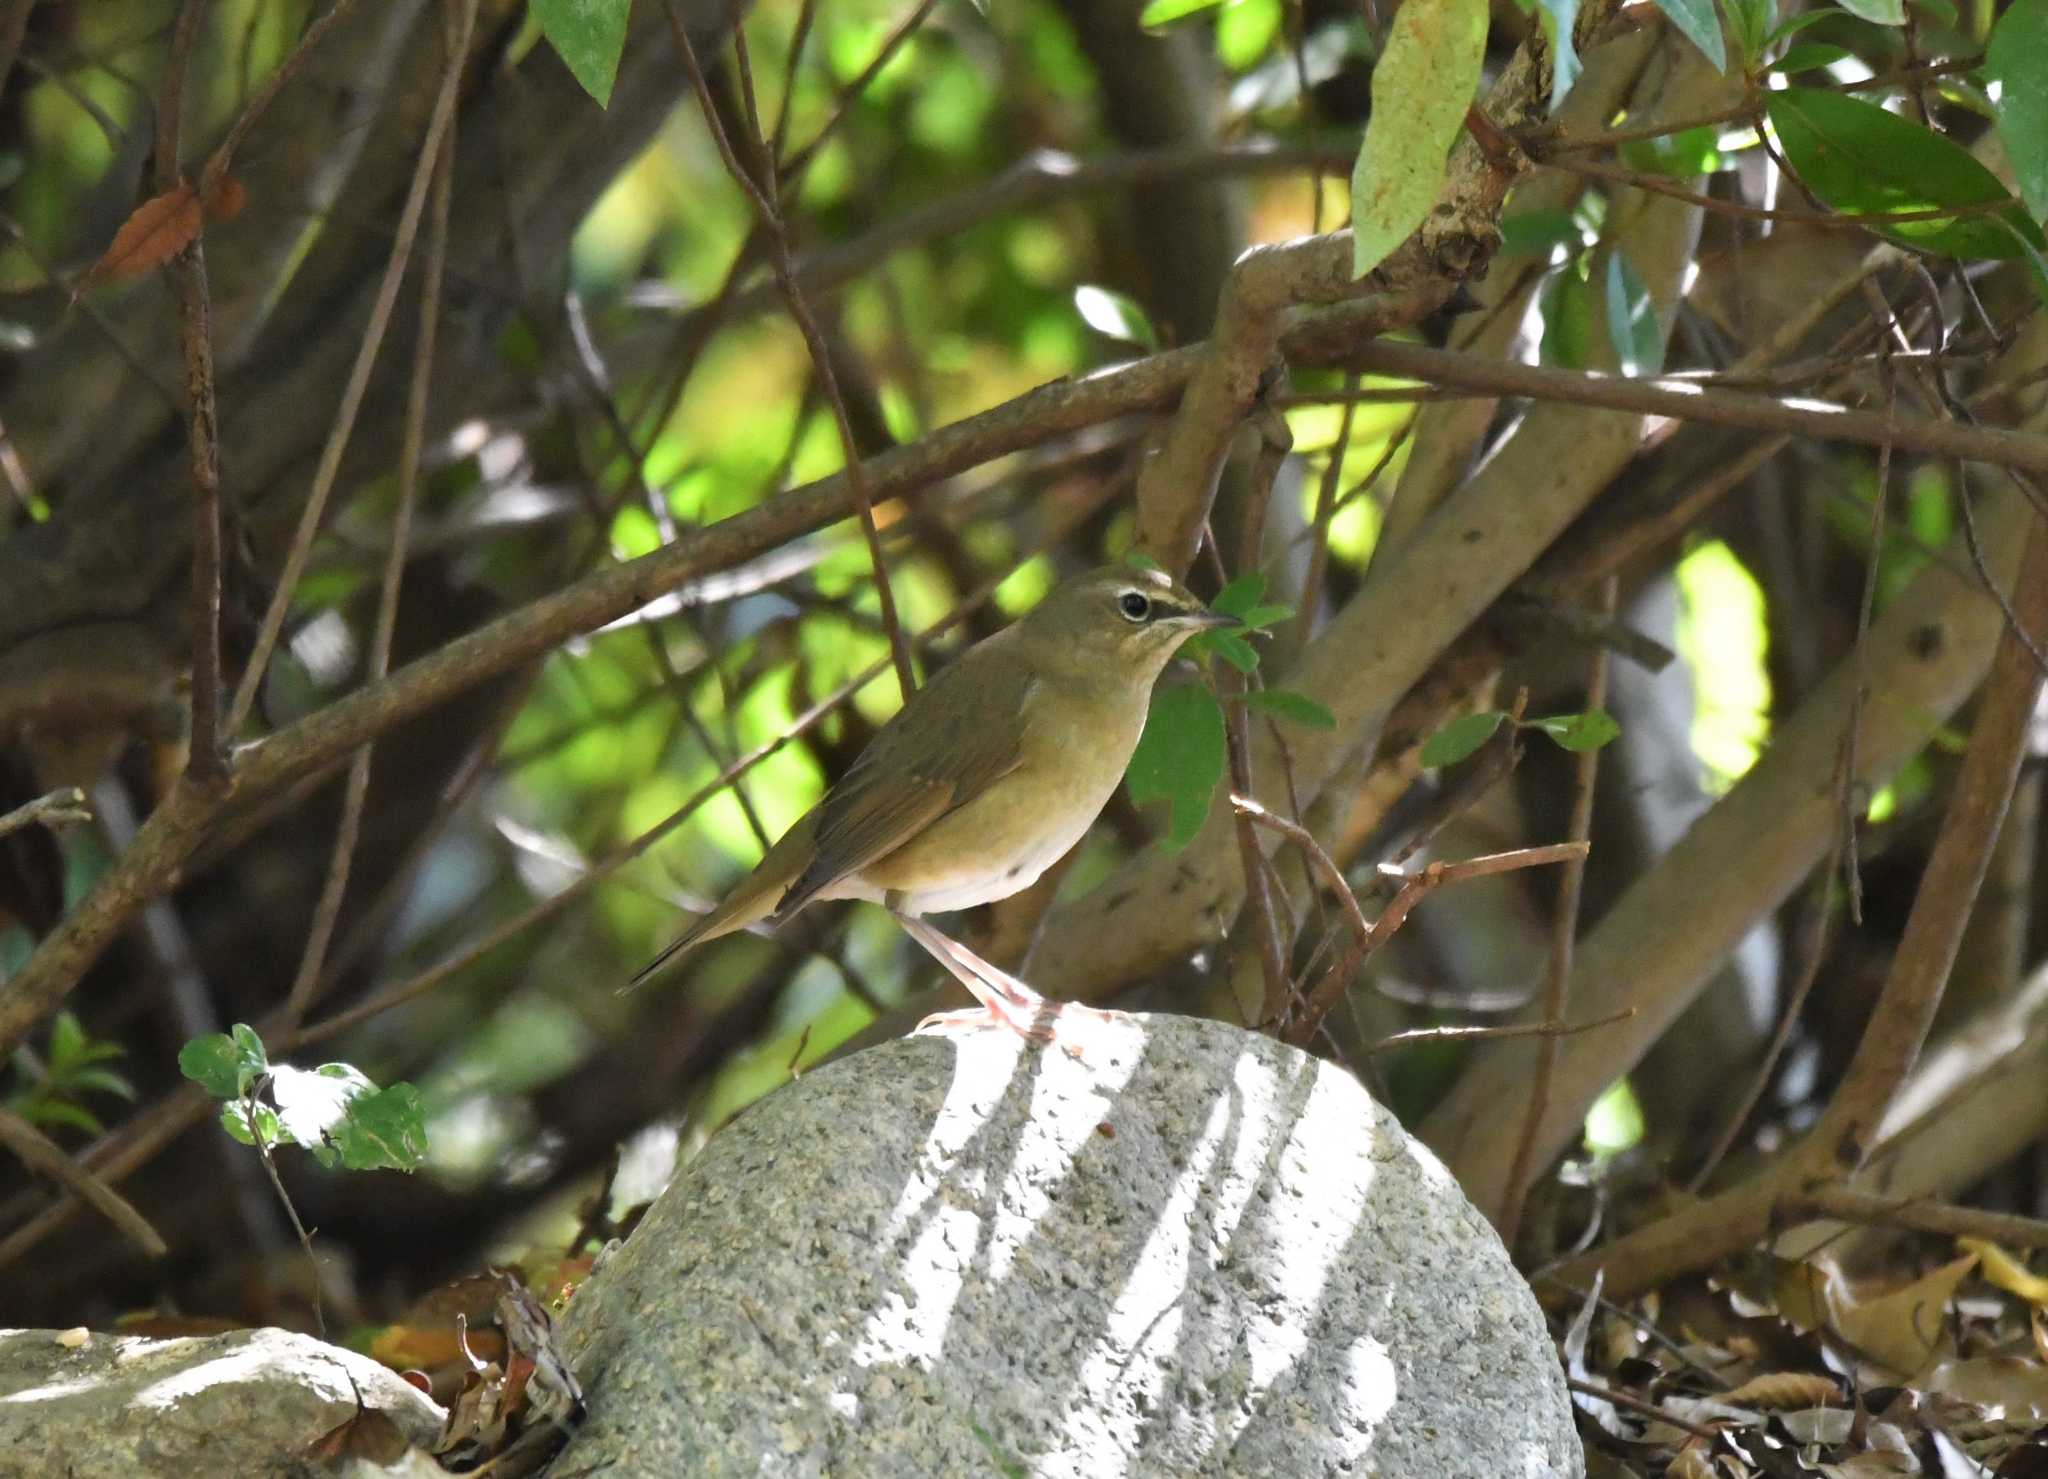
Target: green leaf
point(1241, 595)
point(1557, 17)
point(1751, 21)
point(1944, 13)
point(589, 36)
point(1697, 22)
point(1161, 12)
point(216, 1063)
point(1246, 31)
point(1878, 12)
point(234, 1118)
point(1461, 737)
point(1421, 87)
point(1692, 151)
point(1538, 233)
point(311, 1102)
point(1234, 650)
point(1808, 56)
point(1632, 326)
point(383, 1130)
point(1567, 304)
point(67, 1041)
point(2016, 58)
point(1297, 708)
point(98, 1080)
point(61, 1112)
point(1179, 759)
point(1861, 159)
point(1115, 314)
point(1587, 731)
point(1260, 617)
point(1792, 25)
point(2036, 267)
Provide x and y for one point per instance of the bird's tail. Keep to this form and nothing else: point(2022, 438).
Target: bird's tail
point(757, 896)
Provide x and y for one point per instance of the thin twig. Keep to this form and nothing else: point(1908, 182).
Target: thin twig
point(1918, 1214)
point(263, 1153)
point(1414, 888)
point(64, 807)
point(355, 793)
point(1638, 1405)
point(1550, 1030)
point(358, 381)
point(223, 157)
point(762, 194)
point(40, 1153)
point(1564, 929)
point(205, 765)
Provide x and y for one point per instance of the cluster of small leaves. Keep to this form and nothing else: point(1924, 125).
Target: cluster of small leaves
point(53, 1091)
point(334, 1111)
point(1182, 753)
point(1464, 735)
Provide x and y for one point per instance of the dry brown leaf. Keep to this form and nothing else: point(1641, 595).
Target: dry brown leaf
point(225, 198)
point(2016, 1386)
point(154, 232)
point(1785, 1389)
point(1905, 1329)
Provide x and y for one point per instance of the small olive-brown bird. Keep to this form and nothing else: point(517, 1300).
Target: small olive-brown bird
point(984, 778)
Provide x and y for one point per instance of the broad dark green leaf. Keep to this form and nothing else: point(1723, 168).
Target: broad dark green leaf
point(1793, 25)
point(1807, 56)
point(589, 36)
point(1587, 731)
point(2017, 60)
point(1538, 233)
point(1861, 160)
point(1632, 326)
point(1877, 12)
point(1460, 738)
point(1160, 12)
point(1115, 314)
point(1697, 22)
point(383, 1130)
point(1179, 759)
point(1298, 708)
point(1421, 87)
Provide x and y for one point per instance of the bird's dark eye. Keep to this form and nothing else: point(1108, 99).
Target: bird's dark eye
point(1134, 605)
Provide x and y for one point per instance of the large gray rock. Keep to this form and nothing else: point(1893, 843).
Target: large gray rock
point(1196, 1251)
point(249, 1402)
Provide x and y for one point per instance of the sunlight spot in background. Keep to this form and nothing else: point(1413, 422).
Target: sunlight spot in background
point(1615, 1122)
point(1723, 639)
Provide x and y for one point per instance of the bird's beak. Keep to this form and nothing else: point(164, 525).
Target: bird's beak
point(1206, 620)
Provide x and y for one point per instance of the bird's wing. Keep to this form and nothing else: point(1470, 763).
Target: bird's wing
point(935, 755)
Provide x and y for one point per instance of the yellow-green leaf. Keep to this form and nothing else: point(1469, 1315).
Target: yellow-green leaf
point(1421, 87)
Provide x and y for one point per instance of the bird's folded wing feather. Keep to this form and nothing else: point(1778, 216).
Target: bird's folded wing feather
point(935, 756)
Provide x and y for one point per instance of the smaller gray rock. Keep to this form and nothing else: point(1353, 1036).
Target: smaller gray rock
point(249, 1402)
point(1195, 1252)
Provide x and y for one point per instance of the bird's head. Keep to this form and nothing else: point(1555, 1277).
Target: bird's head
point(1121, 620)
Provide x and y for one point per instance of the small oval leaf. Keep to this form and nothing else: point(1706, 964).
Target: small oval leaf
point(1460, 738)
point(1179, 759)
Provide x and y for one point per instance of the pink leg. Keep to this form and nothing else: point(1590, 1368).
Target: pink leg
point(1005, 1000)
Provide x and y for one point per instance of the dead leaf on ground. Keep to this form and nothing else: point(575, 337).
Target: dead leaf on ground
point(1905, 1329)
point(1785, 1389)
point(154, 232)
